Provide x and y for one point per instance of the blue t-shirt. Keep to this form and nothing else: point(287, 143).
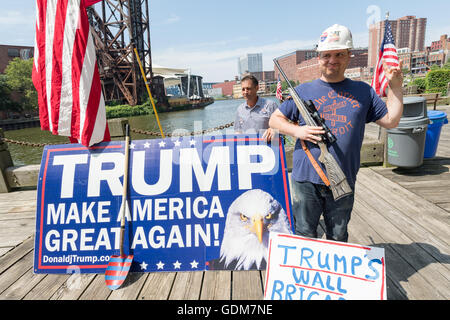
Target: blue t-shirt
point(346, 107)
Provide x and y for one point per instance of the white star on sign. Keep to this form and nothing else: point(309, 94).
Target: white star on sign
point(177, 143)
point(194, 264)
point(160, 265)
point(146, 145)
point(132, 145)
point(162, 144)
point(143, 265)
point(177, 264)
point(192, 142)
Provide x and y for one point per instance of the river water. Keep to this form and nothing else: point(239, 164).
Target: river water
point(219, 113)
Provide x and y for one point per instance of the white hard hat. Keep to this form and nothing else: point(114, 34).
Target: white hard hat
point(336, 37)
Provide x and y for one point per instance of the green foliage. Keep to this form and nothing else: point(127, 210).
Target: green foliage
point(5, 100)
point(18, 78)
point(420, 83)
point(123, 111)
point(284, 86)
point(437, 81)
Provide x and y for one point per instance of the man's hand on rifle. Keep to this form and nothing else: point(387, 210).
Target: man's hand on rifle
point(309, 133)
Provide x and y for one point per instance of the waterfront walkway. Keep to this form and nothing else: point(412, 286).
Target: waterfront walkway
point(404, 211)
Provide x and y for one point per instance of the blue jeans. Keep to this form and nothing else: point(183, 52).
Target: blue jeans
point(310, 201)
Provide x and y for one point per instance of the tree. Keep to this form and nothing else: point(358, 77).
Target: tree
point(18, 78)
point(5, 91)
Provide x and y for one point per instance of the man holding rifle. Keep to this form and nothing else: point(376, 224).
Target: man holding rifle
point(346, 106)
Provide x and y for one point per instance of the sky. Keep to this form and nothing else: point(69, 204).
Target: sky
point(208, 36)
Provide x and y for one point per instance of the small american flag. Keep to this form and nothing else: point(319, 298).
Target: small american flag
point(387, 54)
point(279, 94)
point(65, 73)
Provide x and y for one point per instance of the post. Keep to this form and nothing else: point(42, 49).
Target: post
point(117, 128)
point(5, 162)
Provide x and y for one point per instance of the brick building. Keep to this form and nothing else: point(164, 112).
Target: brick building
point(226, 86)
point(8, 52)
point(415, 62)
point(291, 61)
point(266, 76)
point(438, 52)
point(308, 70)
point(408, 32)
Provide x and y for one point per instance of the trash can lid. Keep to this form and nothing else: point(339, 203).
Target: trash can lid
point(409, 123)
point(436, 114)
point(411, 100)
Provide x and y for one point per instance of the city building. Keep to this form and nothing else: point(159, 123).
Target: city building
point(226, 86)
point(438, 52)
point(251, 62)
point(9, 52)
point(267, 76)
point(290, 63)
point(408, 32)
point(414, 62)
point(359, 74)
point(237, 90)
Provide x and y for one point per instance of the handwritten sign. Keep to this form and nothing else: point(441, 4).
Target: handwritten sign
point(194, 203)
point(315, 269)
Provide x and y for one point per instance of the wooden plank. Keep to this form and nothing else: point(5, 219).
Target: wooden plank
point(130, 288)
point(157, 286)
point(426, 184)
point(9, 235)
point(17, 270)
point(216, 285)
point(416, 255)
point(73, 287)
point(445, 206)
point(401, 273)
point(46, 287)
point(4, 250)
point(13, 256)
point(247, 285)
point(22, 195)
point(416, 211)
point(22, 286)
point(97, 289)
point(187, 286)
point(372, 152)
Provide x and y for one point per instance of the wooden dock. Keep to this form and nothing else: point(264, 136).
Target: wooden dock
point(404, 211)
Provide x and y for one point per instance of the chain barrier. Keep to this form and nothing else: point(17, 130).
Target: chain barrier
point(193, 133)
point(150, 133)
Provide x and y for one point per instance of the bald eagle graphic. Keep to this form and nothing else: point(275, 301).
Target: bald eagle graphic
point(250, 218)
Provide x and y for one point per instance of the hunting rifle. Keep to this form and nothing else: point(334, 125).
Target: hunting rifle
point(338, 181)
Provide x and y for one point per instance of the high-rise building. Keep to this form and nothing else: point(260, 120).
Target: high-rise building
point(251, 62)
point(408, 32)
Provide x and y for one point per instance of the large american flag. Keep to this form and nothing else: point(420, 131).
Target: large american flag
point(279, 93)
point(387, 54)
point(65, 73)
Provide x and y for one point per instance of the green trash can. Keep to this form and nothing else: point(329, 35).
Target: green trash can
point(406, 143)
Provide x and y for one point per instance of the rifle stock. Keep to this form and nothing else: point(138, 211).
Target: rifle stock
point(338, 181)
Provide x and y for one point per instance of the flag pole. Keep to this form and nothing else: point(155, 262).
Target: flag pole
point(149, 93)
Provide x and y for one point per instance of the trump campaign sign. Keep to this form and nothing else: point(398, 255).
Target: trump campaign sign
point(302, 268)
point(194, 203)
